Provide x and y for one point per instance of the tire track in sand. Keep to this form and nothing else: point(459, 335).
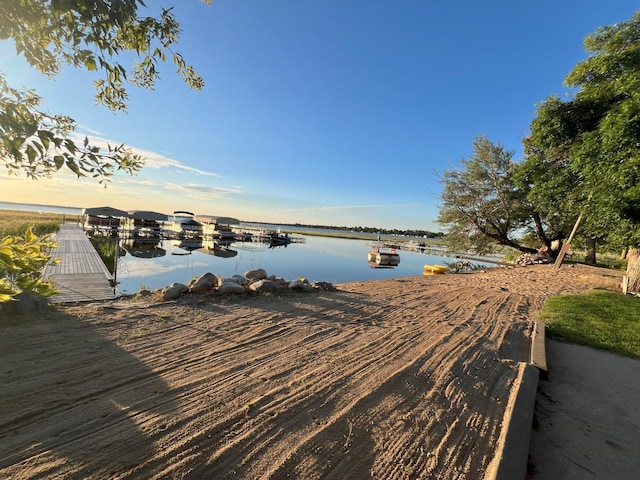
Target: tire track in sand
point(404, 378)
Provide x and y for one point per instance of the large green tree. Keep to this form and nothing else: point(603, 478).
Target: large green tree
point(89, 34)
point(588, 147)
point(484, 203)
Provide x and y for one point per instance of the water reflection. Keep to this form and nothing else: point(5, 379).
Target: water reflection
point(335, 260)
point(148, 247)
point(219, 248)
point(187, 245)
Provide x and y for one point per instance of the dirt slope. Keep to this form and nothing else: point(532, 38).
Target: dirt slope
point(404, 378)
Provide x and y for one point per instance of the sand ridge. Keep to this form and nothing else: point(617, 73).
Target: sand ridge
point(402, 378)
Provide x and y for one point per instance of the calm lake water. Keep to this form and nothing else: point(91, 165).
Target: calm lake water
point(328, 259)
point(32, 207)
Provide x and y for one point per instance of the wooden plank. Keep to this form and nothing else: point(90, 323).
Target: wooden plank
point(81, 275)
point(560, 257)
point(82, 288)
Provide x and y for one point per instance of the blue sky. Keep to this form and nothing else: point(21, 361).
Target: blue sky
point(333, 112)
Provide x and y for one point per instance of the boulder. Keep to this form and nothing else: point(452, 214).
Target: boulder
point(230, 286)
point(239, 279)
point(205, 284)
point(258, 274)
point(173, 291)
point(25, 303)
point(279, 280)
point(300, 285)
point(534, 259)
point(265, 286)
point(325, 286)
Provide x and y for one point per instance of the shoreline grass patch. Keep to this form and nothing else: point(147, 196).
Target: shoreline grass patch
point(107, 248)
point(606, 320)
point(15, 222)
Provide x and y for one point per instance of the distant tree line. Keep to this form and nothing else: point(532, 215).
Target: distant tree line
point(374, 230)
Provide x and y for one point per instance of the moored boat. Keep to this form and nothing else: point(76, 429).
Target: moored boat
point(217, 227)
point(383, 257)
point(144, 223)
point(278, 240)
point(102, 220)
point(183, 225)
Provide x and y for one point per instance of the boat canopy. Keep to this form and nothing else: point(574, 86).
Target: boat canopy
point(191, 222)
point(147, 215)
point(216, 220)
point(104, 212)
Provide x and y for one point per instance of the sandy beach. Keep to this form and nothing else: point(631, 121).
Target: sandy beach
point(393, 379)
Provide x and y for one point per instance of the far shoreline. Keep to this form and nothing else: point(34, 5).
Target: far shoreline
point(322, 231)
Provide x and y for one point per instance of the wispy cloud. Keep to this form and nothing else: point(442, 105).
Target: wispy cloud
point(157, 161)
point(203, 191)
point(140, 182)
point(193, 190)
point(88, 131)
point(346, 208)
point(125, 191)
point(154, 160)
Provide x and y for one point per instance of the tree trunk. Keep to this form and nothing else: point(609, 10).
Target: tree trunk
point(633, 269)
point(540, 233)
point(590, 254)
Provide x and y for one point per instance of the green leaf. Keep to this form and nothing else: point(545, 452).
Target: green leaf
point(31, 154)
point(59, 161)
point(29, 236)
point(90, 63)
point(73, 166)
point(4, 297)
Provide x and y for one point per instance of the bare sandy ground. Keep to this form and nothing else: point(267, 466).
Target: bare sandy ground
point(390, 379)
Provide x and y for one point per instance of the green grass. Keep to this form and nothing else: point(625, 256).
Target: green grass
point(13, 222)
point(606, 260)
point(106, 248)
point(606, 320)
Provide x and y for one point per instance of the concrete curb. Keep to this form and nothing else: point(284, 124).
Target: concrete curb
point(538, 349)
point(512, 451)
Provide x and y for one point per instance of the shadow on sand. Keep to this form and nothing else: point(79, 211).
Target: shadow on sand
point(74, 404)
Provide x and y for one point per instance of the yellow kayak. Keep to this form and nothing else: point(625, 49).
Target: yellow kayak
point(435, 269)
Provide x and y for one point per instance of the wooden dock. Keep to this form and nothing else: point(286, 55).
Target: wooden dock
point(81, 275)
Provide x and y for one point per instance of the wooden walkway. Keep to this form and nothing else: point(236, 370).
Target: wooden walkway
point(81, 276)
